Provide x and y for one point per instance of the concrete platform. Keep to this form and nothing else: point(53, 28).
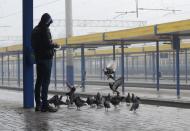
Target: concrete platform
point(165, 97)
point(148, 118)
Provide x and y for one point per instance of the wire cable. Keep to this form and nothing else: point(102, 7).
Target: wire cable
point(18, 12)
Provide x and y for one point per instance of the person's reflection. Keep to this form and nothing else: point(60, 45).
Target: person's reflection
point(36, 121)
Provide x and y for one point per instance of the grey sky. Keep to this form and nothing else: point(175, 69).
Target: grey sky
point(11, 13)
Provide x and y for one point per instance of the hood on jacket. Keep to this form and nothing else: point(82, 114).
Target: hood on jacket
point(46, 20)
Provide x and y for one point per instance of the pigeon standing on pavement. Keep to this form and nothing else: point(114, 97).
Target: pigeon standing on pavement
point(56, 101)
point(132, 98)
point(135, 104)
point(107, 103)
point(128, 99)
point(115, 100)
point(67, 101)
point(98, 99)
point(71, 94)
point(79, 102)
point(90, 101)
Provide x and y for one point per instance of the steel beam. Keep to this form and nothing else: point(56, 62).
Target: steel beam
point(122, 67)
point(27, 67)
point(157, 67)
point(83, 72)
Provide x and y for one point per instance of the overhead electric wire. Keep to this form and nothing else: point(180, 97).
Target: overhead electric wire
point(158, 9)
point(18, 12)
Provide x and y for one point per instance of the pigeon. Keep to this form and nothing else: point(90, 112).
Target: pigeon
point(122, 98)
point(90, 101)
point(109, 73)
point(128, 99)
point(72, 89)
point(115, 101)
point(67, 101)
point(56, 101)
point(60, 102)
point(107, 102)
point(79, 102)
point(71, 92)
point(110, 70)
point(108, 97)
point(135, 105)
point(98, 100)
point(114, 85)
point(132, 98)
point(53, 100)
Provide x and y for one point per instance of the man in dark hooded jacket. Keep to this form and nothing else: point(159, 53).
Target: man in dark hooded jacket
point(44, 51)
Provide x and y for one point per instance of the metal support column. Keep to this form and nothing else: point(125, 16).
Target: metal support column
point(170, 64)
point(157, 67)
point(145, 66)
point(114, 60)
point(153, 66)
point(83, 72)
point(2, 70)
point(133, 65)
point(149, 65)
point(101, 75)
point(137, 64)
point(63, 62)
point(104, 64)
point(186, 66)
point(173, 65)
point(90, 64)
point(8, 68)
point(122, 66)
point(18, 69)
point(127, 67)
point(95, 66)
point(55, 71)
point(27, 67)
point(176, 46)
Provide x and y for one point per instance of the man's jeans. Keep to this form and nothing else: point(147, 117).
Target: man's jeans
point(43, 69)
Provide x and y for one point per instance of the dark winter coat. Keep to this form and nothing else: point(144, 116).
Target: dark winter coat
point(42, 40)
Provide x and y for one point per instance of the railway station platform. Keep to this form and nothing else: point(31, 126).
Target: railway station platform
point(153, 61)
point(149, 95)
point(148, 117)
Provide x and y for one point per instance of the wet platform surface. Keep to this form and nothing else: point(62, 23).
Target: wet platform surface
point(147, 118)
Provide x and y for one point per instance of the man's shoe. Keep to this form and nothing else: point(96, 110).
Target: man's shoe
point(37, 108)
point(49, 109)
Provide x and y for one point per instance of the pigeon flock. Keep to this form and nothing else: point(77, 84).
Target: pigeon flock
point(98, 100)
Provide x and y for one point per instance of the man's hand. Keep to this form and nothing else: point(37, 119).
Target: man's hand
point(57, 47)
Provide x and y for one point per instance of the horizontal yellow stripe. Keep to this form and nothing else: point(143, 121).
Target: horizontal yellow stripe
point(171, 27)
point(92, 38)
point(130, 33)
